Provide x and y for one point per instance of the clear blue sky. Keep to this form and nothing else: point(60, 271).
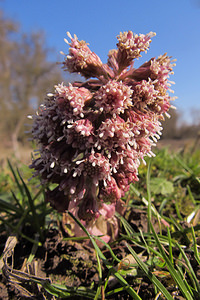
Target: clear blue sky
point(176, 23)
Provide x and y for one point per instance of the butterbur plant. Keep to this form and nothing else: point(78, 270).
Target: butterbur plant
point(93, 134)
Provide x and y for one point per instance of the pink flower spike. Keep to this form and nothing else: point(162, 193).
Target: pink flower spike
point(92, 135)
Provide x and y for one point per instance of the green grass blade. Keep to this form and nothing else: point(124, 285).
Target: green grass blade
point(14, 229)
point(62, 291)
point(100, 278)
point(178, 211)
point(183, 164)
point(196, 252)
point(149, 274)
point(190, 269)
point(170, 246)
point(121, 280)
point(149, 207)
point(32, 208)
point(16, 179)
point(127, 227)
point(152, 207)
point(174, 273)
point(9, 207)
point(115, 291)
point(191, 195)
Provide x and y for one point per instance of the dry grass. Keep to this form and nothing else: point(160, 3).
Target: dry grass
point(7, 152)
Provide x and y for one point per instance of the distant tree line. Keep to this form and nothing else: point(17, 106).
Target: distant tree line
point(176, 128)
point(25, 76)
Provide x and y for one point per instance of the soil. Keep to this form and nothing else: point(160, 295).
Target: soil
point(69, 263)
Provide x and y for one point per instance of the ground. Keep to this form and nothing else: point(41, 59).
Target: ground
point(71, 263)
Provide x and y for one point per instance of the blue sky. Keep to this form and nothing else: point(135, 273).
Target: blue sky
point(176, 23)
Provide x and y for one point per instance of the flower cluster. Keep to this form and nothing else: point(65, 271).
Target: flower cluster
point(92, 135)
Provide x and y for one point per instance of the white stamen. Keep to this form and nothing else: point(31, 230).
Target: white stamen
point(114, 170)
point(78, 162)
point(167, 115)
point(69, 34)
point(128, 147)
point(144, 162)
point(50, 95)
point(60, 138)
point(72, 190)
point(126, 135)
point(109, 178)
point(101, 134)
point(157, 136)
point(131, 143)
point(66, 41)
point(75, 109)
point(63, 122)
point(152, 154)
point(52, 165)
point(154, 139)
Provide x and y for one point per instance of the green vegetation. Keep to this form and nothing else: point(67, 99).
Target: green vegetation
point(165, 251)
